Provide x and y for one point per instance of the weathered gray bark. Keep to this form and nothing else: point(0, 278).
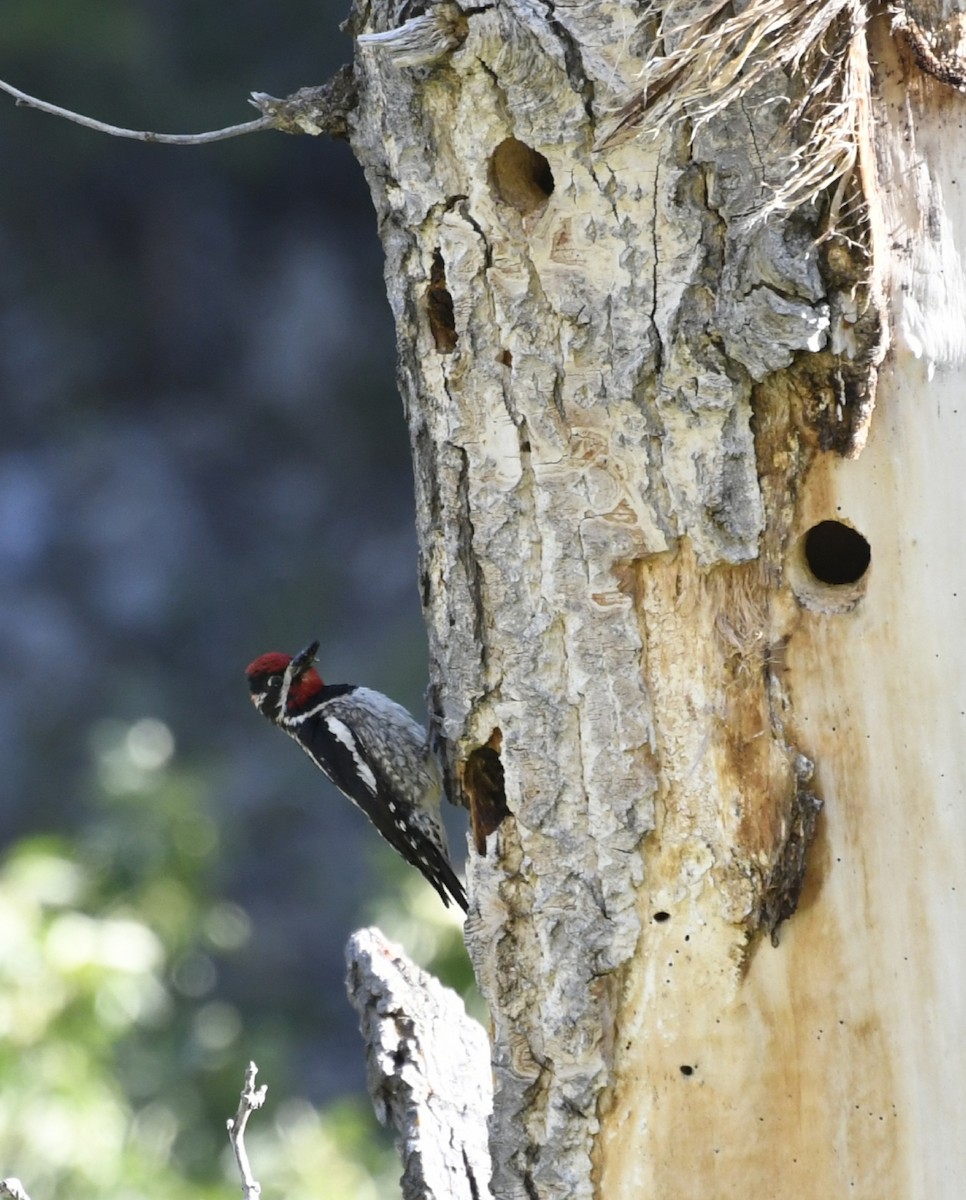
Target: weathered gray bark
point(428, 1067)
point(630, 395)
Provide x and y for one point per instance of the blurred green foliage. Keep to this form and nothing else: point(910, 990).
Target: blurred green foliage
point(119, 1062)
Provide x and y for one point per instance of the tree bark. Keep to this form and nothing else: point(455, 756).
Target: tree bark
point(428, 1070)
point(637, 384)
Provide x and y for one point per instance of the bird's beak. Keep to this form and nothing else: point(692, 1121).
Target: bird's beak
point(303, 660)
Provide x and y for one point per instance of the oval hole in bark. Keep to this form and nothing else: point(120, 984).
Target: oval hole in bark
point(836, 553)
point(662, 916)
point(828, 567)
point(521, 176)
point(686, 1070)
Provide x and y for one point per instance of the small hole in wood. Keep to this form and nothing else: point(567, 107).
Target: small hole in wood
point(686, 1070)
point(521, 176)
point(836, 554)
point(662, 916)
point(829, 566)
point(442, 321)
point(483, 786)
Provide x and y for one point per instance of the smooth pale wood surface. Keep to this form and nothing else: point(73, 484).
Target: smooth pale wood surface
point(834, 1065)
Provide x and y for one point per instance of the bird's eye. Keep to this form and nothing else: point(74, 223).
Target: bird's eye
point(274, 680)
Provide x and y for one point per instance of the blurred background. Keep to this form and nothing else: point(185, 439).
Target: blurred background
point(203, 457)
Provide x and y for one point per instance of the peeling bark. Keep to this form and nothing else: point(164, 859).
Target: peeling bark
point(428, 1067)
point(632, 387)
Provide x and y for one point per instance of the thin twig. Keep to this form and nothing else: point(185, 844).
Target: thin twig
point(139, 135)
point(251, 1100)
point(312, 110)
point(13, 1188)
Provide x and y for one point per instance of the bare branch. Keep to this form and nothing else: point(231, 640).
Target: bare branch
point(311, 110)
point(140, 135)
point(428, 1068)
point(13, 1188)
point(251, 1099)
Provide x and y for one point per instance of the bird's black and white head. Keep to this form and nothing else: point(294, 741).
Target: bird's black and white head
point(281, 685)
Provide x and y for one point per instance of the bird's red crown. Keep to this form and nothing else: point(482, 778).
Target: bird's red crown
point(268, 664)
point(302, 689)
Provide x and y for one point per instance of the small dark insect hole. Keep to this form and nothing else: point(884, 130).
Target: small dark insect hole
point(521, 176)
point(440, 303)
point(686, 1070)
point(662, 916)
point(836, 553)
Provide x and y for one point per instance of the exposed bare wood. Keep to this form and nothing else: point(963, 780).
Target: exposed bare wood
point(638, 394)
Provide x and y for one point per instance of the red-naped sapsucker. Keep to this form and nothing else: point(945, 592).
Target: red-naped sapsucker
point(371, 749)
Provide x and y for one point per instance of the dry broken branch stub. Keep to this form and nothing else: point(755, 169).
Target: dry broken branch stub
point(421, 40)
point(313, 110)
point(428, 1069)
point(13, 1189)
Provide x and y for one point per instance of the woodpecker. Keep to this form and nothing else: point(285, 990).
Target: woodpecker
point(371, 749)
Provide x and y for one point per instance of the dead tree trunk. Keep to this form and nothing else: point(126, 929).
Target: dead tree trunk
point(641, 274)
